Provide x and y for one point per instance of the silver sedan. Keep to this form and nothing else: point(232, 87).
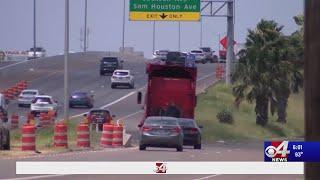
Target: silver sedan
point(161, 131)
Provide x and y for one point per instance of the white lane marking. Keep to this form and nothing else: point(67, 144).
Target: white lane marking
point(5, 67)
point(208, 177)
point(130, 115)
point(37, 177)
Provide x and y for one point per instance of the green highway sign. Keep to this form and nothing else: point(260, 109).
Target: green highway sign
point(165, 10)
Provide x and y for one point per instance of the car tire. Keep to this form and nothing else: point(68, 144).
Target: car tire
point(131, 86)
point(197, 146)
point(180, 148)
point(203, 61)
point(101, 73)
point(142, 147)
point(90, 106)
point(113, 86)
point(19, 105)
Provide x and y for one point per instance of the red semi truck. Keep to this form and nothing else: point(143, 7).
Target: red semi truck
point(170, 84)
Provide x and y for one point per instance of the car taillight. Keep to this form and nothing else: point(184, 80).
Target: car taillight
point(193, 130)
point(176, 129)
point(146, 129)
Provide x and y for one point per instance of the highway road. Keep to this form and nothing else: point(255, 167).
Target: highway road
point(47, 76)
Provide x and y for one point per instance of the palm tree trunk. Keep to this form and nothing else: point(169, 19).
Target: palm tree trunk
point(282, 108)
point(262, 110)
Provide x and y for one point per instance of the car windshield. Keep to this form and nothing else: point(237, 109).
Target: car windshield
point(161, 122)
point(162, 52)
point(37, 49)
point(99, 113)
point(186, 123)
point(121, 73)
point(43, 100)
point(206, 49)
point(198, 52)
point(110, 59)
point(79, 94)
point(29, 93)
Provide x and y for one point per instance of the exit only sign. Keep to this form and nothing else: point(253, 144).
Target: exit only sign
point(165, 10)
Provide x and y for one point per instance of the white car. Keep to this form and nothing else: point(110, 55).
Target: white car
point(199, 55)
point(27, 96)
point(39, 53)
point(160, 54)
point(43, 103)
point(122, 77)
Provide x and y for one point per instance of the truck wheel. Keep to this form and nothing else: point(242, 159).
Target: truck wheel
point(142, 147)
point(180, 148)
point(197, 146)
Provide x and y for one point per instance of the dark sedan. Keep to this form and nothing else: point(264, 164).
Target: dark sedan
point(161, 131)
point(191, 132)
point(81, 99)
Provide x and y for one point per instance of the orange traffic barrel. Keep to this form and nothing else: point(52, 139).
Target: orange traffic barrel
point(106, 137)
point(51, 114)
point(83, 135)
point(117, 136)
point(14, 121)
point(45, 119)
point(60, 135)
point(28, 138)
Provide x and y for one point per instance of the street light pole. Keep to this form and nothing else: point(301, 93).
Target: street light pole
point(85, 26)
point(179, 43)
point(123, 24)
point(34, 29)
point(201, 29)
point(66, 54)
point(154, 37)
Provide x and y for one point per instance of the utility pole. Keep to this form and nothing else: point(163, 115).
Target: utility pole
point(154, 37)
point(230, 35)
point(85, 26)
point(34, 29)
point(201, 29)
point(179, 40)
point(123, 24)
point(66, 54)
point(312, 79)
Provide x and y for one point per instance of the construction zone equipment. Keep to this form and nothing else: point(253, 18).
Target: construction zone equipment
point(60, 135)
point(107, 135)
point(220, 71)
point(14, 121)
point(28, 138)
point(83, 135)
point(117, 136)
point(45, 119)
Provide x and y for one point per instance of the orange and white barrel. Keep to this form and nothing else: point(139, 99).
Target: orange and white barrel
point(106, 137)
point(14, 121)
point(60, 138)
point(83, 135)
point(45, 119)
point(28, 138)
point(117, 136)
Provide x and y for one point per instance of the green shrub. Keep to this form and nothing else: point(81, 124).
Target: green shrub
point(225, 116)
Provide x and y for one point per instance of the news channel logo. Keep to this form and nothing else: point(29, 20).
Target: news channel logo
point(276, 151)
point(161, 168)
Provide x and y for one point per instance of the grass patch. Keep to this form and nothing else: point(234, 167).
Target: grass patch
point(219, 97)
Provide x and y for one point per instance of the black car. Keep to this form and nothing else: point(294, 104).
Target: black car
point(191, 132)
point(109, 64)
point(81, 99)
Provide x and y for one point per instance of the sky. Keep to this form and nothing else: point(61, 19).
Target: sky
point(105, 25)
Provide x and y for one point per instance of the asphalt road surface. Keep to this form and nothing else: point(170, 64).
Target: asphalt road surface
point(47, 76)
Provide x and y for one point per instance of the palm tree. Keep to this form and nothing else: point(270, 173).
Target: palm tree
point(256, 76)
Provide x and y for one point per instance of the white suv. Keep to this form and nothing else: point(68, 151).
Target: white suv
point(122, 77)
point(40, 52)
point(43, 103)
point(27, 96)
point(199, 56)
